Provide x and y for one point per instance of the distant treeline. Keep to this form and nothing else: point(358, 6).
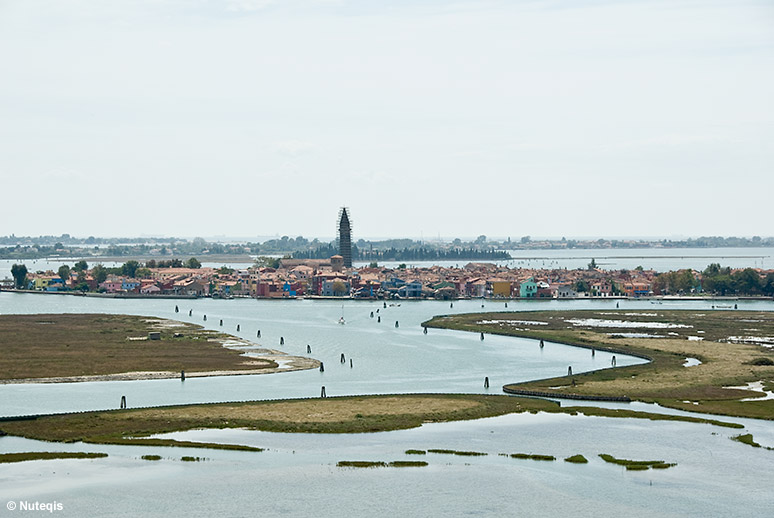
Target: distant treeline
point(407, 254)
point(482, 248)
point(715, 279)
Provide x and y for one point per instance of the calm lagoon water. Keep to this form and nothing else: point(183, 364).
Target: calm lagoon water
point(659, 259)
point(297, 475)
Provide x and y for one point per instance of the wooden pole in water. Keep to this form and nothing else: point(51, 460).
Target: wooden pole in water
point(190, 312)
point(593, 352)
point(372, 314)
point(322, 392)
point(379, 319)
point(221, 321)
point(343, 360)
point(205, 318)
point(177, 309)
point(350, 363)
point(282, 340)
point(182, 375)
point(612, 361)
point(308, 349)
point(569, 370)
point(123, 401)
point(396, 324)
point(237, 327)
point(258, 334)
point(424, 330)
point(482, 336)
point(322, 367)
point(541, 344)
point(486, 382)
point(451, 304)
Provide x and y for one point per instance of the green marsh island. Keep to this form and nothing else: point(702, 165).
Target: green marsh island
point(733, 358)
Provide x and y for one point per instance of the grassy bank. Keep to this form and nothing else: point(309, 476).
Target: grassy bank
point(47, 455)
point(356, 414)
point(664, 379)
point(52, 346)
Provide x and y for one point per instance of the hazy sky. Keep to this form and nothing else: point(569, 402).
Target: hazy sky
point(507, 118)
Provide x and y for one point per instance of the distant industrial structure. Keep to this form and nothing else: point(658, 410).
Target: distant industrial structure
point(345, 237)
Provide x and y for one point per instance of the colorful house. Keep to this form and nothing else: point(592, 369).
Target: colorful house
point(528, 288)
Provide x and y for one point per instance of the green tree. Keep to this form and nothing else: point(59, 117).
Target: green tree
point(129, 269)
point(581, 286)
point(339, 288)
point(143, 273)
point(747, 282)
point(81, 266)
point(267, 262)
point(19, 273)
point(593, 264)
point(64, 273)
point(193, 262)
point(99, 273)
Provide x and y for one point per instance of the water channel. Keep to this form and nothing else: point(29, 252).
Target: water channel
point(297, 475)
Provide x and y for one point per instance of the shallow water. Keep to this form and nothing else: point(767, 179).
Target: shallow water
point(297, 475)
point(385, 359)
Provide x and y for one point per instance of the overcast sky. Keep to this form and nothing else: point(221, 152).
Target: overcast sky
point(426, 118)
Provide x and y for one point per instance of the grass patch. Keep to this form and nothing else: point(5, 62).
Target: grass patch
point(408, 464)
point(457, 452)
point(188, 458)
point(96, 345)
point(48, 455)
point(360, 464)
point(761, 361)
point(151, 457)
point(319, 415)
point(748, 439)
point(531, 456)
point(664, 379)
point(416, 452)
point(633, 414)
point(577, 459)
point(637, 465)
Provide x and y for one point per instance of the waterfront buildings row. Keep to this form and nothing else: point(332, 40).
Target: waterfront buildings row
point(330, 278)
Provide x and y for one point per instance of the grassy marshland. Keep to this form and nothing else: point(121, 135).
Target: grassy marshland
point(323, 415)
point(664, 379)
point(456, 452)
point(380, 464)
point(531, 456)
point(637, 465)
point(48, 455)
point(53, 346)
point(577, 459)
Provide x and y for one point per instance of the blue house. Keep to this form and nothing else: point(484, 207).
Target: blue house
point(411, 289)
point(528, 288)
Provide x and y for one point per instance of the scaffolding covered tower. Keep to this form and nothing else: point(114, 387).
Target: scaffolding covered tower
point(345, 237)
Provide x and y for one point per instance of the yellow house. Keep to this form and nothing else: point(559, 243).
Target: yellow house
point(42, 282)
point(501, 288)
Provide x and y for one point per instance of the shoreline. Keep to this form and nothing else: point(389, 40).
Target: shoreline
point(299, 363)
point(666, 298)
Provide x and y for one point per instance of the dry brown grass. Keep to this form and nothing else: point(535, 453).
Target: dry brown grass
point(45, 346)
point(328, 410)
point(664, 380)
